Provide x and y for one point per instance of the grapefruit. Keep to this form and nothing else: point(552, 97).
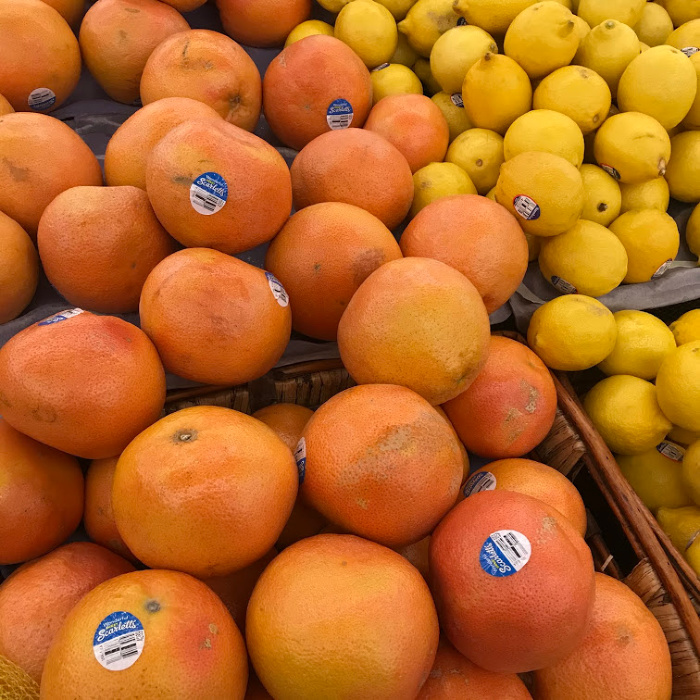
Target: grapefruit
point(381, 463)
point(510, 407)
point(128, 150)
point(118, 36)
point(215, 319)
point(315, 85)
point(40, 157)
point(187, 491)
point(321, 256)
point(39, 57)
point(399, 328)
point(19, 269)
point(262, 22)
point(512, 580)
point(417, 554)
point(415, 125)
point(70, 10)
point(327, 170)
point(99, 244)
point(81, 383)
point(338, 616)
point(41, 496)
point(624, 654)
point(175, 640)
point(209, 67)
point(215, 185)
point(185, 5)
point(37, 597)
point(476, 236)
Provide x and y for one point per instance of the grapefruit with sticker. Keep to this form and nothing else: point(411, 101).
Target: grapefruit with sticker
point(264, 24)
point(174, 636)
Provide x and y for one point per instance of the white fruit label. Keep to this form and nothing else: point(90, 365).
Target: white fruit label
point(690, 50)
point(504, 553)
point(60, 316)
point(526, 207)
point(382, 67)
point(278, 291)
point(668, 449)
point(118, 641)
point(562, 285)
point(661, 270)
point(41, 99)
point(481, 481)
point(610, 171)
point(461, 22)
point(300, 457)
point(208, 193)
point(457, 100)
point(339, 114)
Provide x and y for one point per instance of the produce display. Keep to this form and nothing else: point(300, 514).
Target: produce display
point(380, 181)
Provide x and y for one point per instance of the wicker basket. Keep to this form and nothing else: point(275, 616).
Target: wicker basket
point(630, 550)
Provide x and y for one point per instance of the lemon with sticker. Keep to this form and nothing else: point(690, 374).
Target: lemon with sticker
point(686, 37)
point(643, 343)
point(678, 386)
point(311, 27)
point(603, 198)
point(452, 108)
point(394, 79)
point(438, 180)
point(572, 332)
point(651, 194)
point(686, 328)
point(404, 54)
point(654, 26)
point(369, 30)
point(426, 21)
point(479, 152)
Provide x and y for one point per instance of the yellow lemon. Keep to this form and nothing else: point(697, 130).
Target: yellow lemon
point(534, 243)
point(582, 28)
point(586, 259)
point(602, 195)
point(652, 194)
point(678, 386)
point(643, 47)
point(596, 11)
point(422, 69)
point(657, 476)
point(494, 16)
point(608, 49)
point(452, 108)
point(545, 130)
point(333, 6)
point(692, 231)
point(660, 82)
point(579, 93)
point(543, 191)
point(404, 54)
point(691, 471)
point(542, 38)
point(651, 240)
point(369, 30)
point(686, 37)
point(643, 342)
point(692, 119)
point(682, 436)
point(692, 555)
point(479, 152)
point(654, 25)
point(398, 8)
point(682, 11)
point(496, 92)
point(426, 21)
point(632, 147)
point(572, 332)
point(394, 79)
point(686, 328)
point(683, 172)
point(491, 194)
point(625, 411)
point(455, 52)
point(309, 28)
point(680, 524)
point(438, 180)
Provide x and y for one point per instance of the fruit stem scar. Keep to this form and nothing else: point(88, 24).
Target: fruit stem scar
point(152, 606)
point(185, 435)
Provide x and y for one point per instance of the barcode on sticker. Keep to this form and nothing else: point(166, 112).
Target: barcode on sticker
point(610, 170)
point(526, 207)
point(300, 457)
point(41, 99)
point(668, 449)
point(60, 316)
point(278, 291)
point(481, 481)
point(209, 202)
point(120, 648)
point(504, 553)
point(382, 67)
point(118, 641)
point(690, 50)
point(562, 285)
point(457, 100)
point(339, 114)
point(661, 270)
point(208, 193)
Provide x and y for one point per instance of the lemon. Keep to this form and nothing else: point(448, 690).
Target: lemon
point(691, 471)
point(586, 259)
point(692, 231)
point(643, 342)
point(572, 332)
point(625, 411)
point(657, 476)
point(543, 191)
point(438, 180)
point(452, 108)
point(545, 130)
point(394, 79)
point(652, 194)
point(608, 49)
point(682, 436)
point(682, 11)
point(692, 555)
point(678, 386)
point(496, 92)
point(683, 173)
point(422, 69)
point(602, 196)
point(369, 30)
point(455, 52)
point(309, 28)
point(582, 28)
point(426, 21)
point(491, 194)
point(654, 26)
point(632, 147)
point(542, 38)
point(660, 82)
point(479, 152)
point(680, 524)
point(686, 328)
point(643, 47)
point(579, 93)
point(398, 8)
point(651, 240)
point(333, 6)
point(692, 119)
point(493, 16)
point(404, 54)
point(596, 11)
point(686, 37)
